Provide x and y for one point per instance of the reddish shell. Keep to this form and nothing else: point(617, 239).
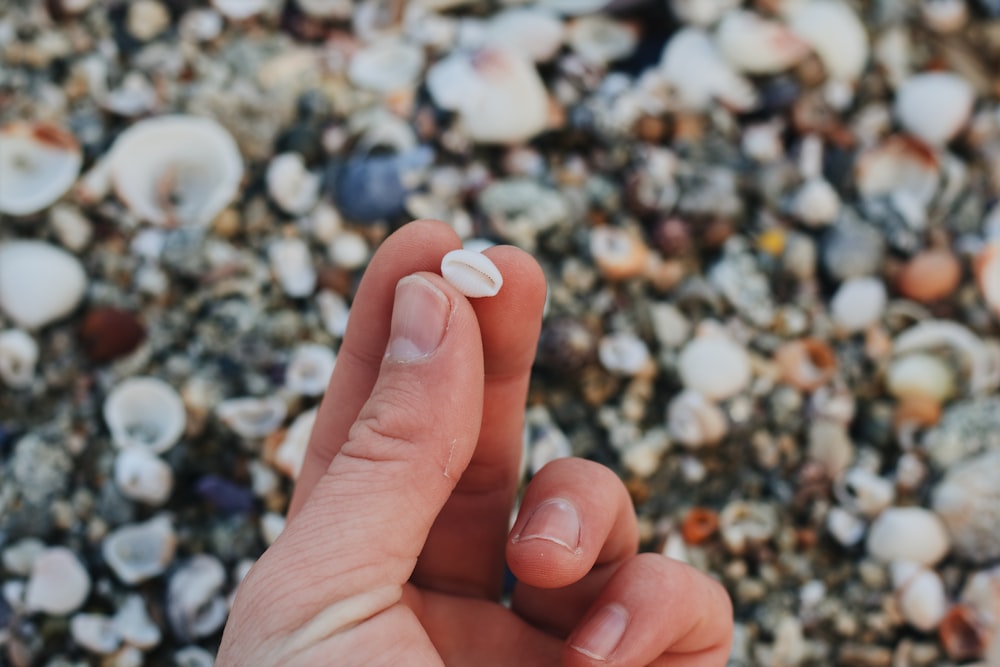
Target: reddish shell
point(110, 333)
point(987, 268)
point(699, 525)
point(806, 364)
point(960, 635)
point(917, 410)
point(618, 254)
point(929, 276)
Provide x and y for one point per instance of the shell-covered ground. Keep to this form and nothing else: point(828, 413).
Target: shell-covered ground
point(773, 259)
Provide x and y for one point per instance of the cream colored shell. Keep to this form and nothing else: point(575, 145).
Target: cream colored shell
point(471, 273)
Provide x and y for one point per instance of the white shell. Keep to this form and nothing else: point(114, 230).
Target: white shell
point(702, 13)
point(292, 266)
point(897, 166)
point(714, 366)
point(140, 551)
point(845, 527)
point(830, 446)
point(309, 369)
point(271, 526)
point(743, 523)
point(934, 106)
point(623, 353)
point(543, 439)
point(497, 92)
point(920, 593)
point(58, 583)
point(968, 500)
point(908, 533)
point(348, 250)
point(921, 375)
point(816, 203)
point(601, 39)
point(471, 273)
point(143, 476)
point(387, 65)
point(145, 412)
point(290, 185)
point(699, 74)
point(529, 30)
point(757, 45)
point(864, 491)
point(327, 9)
point(858, 304)
point(334, 312)
point(18, 357)
point(38, 163)
point(72, 227)
point(291, 453)
point(944, 16)
point(238, 10)
point(694, 421)
point(984, 372)
point(176, 169)
point(195, 656)
point(194, 606)
point(95, 632)
point(835, 33)
point(133, 623)
point(39, 283)
point(252, 417)
point(18, 557)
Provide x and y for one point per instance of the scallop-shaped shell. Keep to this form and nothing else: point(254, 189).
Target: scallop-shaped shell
point(908, 533)
point(133, 624)
point(934, 106)
point(497, 92)
point(601, 39)
point(899, 164)
point(920, 594)
point(145, 412)
point(988, 275)
point(176, 170)
point(58, 583)
point(18, 357)
point(38, 163)
point(143, 476)
point(39, 283)
point(981, 363)
point(291, 185)
point(387, 65)
point(699, 74)
point(471, 273)
point(292, 266)
point(757, 45)
point(835, 32)
point(533, 31)
point(195, 606)
point(253, 417)
point(714, 366)
point(968, 500)
point(140, 551)
point(309, 369)
point(694, 421)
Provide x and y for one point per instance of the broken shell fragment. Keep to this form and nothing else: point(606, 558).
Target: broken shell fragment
point(292, 266)
point(532, 31)
point(968, 500)
point(601, 39)
point(38, 163)
point(176, 170)
point(95, 632)
point(39, 283)
point(143, 476)
point(920, 592)
point(694, 421)
point(471, 273)
point(624, 353)
point(387, 65)
point(618, 253)
point(252, 417)
point(290, 454)
point(18, 357)
point(291, 185)
point(714, 366)
point(309, 370)
point(195, 606)
point(806, 364)
point(145, 412)
point(133, 624)
point(692, 65)
point(757, 45)
point(58, 583)
point(835, 32)
point(934, 106)
point(140, 551)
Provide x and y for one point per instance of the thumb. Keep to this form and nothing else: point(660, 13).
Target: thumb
point(366, 520)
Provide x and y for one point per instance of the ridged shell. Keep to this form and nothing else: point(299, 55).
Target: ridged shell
point(471, 273)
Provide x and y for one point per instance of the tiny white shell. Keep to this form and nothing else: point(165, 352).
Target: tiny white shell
point(145, 412)
point(140, 551)
point(95, 632)
point(142, 475)
point(471, 273)
point(58, 584)
point(920, 593)
point(18, 357)
point(908, 533)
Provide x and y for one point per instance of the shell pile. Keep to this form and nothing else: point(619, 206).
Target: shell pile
point(772, 241)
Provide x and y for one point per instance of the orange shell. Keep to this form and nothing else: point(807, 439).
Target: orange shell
point(929, 276)
point(807, 363)
point(699, 524)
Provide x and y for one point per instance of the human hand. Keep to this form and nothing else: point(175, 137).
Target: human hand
point(393, 553)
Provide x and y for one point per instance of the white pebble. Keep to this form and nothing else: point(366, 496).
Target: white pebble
point(271, 525)
point(291, 185)
point(471, 273)
point(714, 366)
point(348, 250)
point(858, 304)
point(934, 106)
point(18, 557)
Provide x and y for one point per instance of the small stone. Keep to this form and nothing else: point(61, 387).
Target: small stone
point(146, 19)
point(108, 333)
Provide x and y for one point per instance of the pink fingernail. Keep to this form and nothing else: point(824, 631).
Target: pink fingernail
point(600, 636)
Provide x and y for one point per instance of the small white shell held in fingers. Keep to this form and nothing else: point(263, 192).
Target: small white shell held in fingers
point(471, 273)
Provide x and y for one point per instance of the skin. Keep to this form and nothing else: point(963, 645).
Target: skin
point(397, 533)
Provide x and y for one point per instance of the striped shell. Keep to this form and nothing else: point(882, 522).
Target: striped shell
point(471, 273)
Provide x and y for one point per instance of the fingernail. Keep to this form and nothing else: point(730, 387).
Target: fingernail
point(420, 315)
point(555, 521)
point(600, 636)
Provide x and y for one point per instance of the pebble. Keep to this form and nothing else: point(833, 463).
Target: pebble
point(39, 283)
point(714, 366)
